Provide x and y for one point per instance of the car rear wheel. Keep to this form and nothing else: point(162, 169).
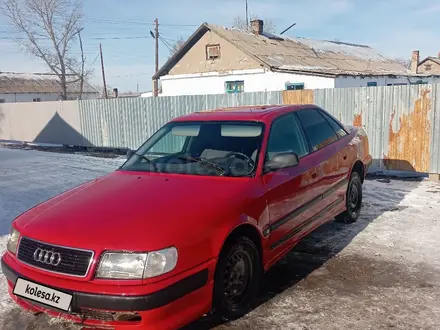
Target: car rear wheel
point(237, 279)
point(353, 200)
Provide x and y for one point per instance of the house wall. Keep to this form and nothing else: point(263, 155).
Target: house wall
point(350, 81)
point(231, 58)
point(424, 68)
point(20, 97)
point(256, 80)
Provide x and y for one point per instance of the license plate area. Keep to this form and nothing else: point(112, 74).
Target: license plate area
point(42, 294)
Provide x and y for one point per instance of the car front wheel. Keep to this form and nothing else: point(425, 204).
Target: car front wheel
point(237, 278)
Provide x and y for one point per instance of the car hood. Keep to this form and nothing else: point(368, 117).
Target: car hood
point(130, 210)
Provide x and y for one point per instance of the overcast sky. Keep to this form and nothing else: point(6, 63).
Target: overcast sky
point(394, 27)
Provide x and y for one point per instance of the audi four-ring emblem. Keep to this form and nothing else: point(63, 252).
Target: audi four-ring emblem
point(47, 257)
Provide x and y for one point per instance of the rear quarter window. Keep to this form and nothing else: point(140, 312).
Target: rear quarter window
point(317, 129)
point(334, 124)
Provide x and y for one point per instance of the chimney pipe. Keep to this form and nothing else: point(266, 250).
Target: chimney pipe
point(257, 26)
point(415, 60)
point(115, 91)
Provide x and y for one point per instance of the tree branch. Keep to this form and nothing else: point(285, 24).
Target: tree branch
point(56, 21)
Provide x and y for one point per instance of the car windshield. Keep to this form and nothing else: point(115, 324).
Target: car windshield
point(201, 148)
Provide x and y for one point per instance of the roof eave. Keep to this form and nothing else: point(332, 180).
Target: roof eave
point(177, 56)
point(305, 72)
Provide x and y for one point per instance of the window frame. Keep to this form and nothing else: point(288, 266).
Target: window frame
point(301, 131)
point(235, 82)
point(207, 47)
point(318, 110)
point(372, 84)
point(294, 84)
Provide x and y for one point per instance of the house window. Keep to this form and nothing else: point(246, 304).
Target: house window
point(419, 82)
point(234, 86)
point(371, 84)
point(294, 86)
point(2, 100)
point(212, 52)
point(37, 99)
point(428, 67)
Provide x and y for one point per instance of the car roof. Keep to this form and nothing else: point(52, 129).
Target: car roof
point(264, 113)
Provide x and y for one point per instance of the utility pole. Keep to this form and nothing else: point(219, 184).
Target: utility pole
point(247, 16)
point(156, 37)
point(103, 73)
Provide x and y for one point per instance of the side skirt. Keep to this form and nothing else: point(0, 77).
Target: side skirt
point(306, 223)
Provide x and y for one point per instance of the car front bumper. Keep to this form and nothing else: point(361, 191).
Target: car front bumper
point(165, 307)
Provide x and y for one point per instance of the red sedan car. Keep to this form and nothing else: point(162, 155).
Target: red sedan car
point(191, 221)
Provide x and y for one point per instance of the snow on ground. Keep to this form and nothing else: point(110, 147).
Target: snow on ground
point(381, 272)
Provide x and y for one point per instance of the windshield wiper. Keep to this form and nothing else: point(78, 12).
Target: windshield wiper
point(204, 161)
point(149, 161)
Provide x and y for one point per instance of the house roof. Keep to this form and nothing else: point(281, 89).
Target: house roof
point(294, 54)
point(19, 83)
point(434, 59)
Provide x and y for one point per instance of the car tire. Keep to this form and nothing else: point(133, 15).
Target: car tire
point(237, 279)
point(353, 200)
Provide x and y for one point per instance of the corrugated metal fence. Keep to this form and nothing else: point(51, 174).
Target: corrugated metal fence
point(123, 123)
point(402, 122)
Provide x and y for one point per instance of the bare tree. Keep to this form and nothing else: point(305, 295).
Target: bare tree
point(177, 45)
point(51, 28)
point(405, 62)
point(240, 23)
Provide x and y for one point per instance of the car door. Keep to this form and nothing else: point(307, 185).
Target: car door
point(344, 157)
point(288, 191)
point(328, 150)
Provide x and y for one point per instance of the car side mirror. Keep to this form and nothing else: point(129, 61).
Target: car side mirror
point(129, 153)
point(282, 160)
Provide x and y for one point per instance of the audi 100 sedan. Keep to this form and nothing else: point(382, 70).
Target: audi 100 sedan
point(191, 221)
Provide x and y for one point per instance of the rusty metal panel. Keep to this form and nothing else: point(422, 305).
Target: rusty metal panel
point(304, 96)
point(409, 129)
point(396, 119)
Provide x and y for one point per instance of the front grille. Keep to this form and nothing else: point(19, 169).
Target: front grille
point(73, 261)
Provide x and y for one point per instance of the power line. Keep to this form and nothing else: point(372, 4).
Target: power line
point(112, 20)
point(131, 75)
point(170, 47)
point(168, 39)
point(89, 38)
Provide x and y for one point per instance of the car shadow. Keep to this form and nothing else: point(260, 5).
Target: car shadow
point(330, 239)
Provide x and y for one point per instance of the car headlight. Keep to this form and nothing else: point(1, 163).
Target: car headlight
point(132, 266)
point(12, 244)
